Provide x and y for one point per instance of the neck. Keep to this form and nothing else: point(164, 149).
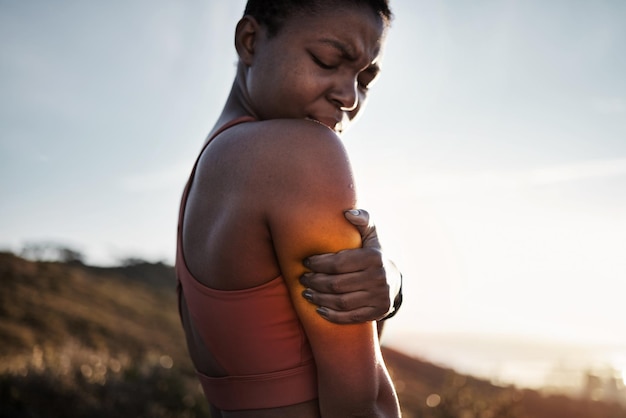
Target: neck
point(238, 103)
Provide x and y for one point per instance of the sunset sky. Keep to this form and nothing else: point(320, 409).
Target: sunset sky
point(492, 153)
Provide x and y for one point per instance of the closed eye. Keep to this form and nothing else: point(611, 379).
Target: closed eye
point(321, 64)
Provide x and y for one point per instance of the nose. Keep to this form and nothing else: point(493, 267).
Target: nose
point(346, 95)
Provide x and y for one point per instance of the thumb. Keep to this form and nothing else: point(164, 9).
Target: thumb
point(361, 219)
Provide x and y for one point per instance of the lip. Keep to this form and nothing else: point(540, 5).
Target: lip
point(330, 122)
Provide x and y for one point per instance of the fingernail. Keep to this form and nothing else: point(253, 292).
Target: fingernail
point(322, 311)
point(355, 212)
point(308, 295)
point(307, 263)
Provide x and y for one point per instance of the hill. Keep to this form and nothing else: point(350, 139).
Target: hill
point(79, 341)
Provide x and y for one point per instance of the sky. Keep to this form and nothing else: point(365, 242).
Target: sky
point(492, 152)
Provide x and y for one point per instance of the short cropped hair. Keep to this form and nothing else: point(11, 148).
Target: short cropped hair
point(273, 13)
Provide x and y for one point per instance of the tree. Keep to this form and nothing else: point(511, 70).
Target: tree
point(51, 251)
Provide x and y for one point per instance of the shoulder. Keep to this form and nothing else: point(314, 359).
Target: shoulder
point(292, 147)
point(289, 135)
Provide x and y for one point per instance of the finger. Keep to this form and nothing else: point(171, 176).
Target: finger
point(349, 297)
point(345, 261)
point(333, 283)
point(358, 217)
point(343, 302)
point(361, 219)
point(356, 316)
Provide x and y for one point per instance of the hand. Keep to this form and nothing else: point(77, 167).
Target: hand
point(356, 285)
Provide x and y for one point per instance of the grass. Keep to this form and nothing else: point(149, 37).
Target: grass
point(80, 341)
point(75, 341)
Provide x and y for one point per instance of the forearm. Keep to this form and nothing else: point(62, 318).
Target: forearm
point(380, 325)
point(394, 278)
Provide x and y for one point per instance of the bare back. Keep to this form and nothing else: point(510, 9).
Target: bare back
point(226, 237)
point(227, 243)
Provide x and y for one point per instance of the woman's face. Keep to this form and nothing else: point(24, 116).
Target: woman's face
point(317, 67)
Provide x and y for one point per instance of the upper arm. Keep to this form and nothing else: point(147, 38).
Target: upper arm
point(313, 186)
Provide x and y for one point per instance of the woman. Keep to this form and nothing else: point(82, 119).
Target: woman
point(268, 191)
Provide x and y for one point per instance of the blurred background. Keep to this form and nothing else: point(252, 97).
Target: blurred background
point(492, 156)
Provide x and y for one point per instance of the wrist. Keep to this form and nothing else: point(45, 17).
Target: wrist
point(395, 294)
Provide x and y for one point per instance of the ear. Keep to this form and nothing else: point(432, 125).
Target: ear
point(246, 35)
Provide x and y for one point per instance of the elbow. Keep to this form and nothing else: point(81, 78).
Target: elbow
point(382, 406)
point(373, 411)
point(365, 406)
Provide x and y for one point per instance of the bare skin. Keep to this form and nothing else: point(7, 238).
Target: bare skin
point(271, 193)
point(355, 285)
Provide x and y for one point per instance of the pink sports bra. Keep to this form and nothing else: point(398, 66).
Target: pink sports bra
point(254, 334)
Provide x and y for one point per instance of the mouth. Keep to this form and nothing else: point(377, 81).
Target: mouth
point(331, 123)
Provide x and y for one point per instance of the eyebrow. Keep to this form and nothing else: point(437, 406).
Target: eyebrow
point(345, 49)
point(348, 53)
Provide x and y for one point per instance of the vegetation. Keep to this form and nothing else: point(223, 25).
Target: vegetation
point(81, 341)
point(92, 342)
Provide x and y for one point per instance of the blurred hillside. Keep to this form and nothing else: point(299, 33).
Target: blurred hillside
point(82, 341)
